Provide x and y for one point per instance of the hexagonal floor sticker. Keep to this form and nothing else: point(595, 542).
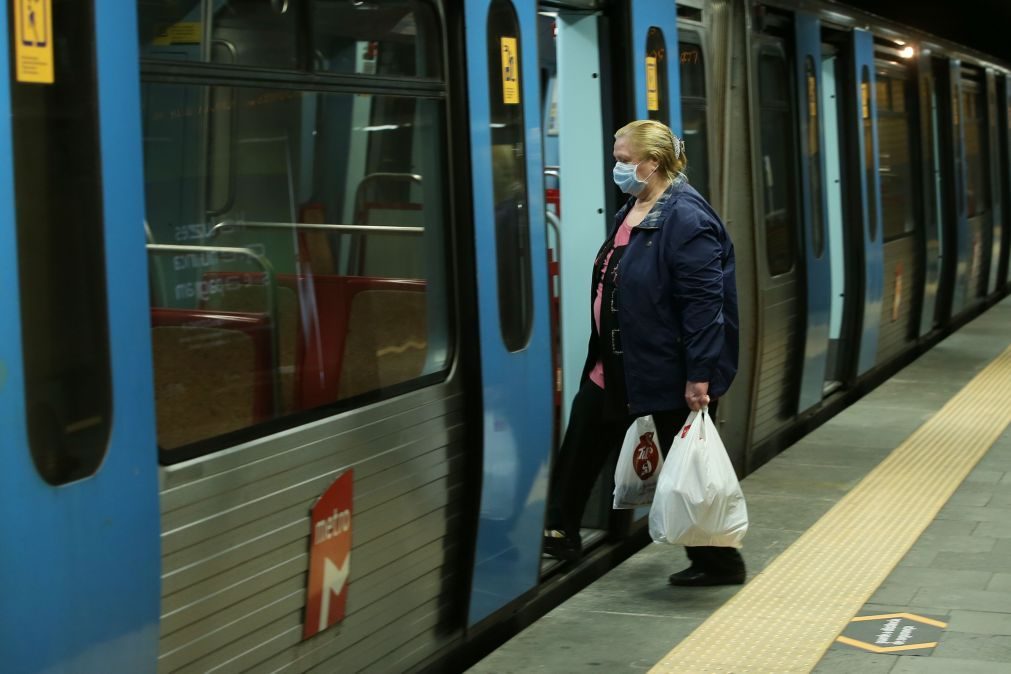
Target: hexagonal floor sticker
point(893, 633)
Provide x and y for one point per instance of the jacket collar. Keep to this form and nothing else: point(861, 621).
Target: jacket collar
point(658, 213)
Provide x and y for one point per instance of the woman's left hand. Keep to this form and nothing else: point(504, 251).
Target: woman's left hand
point(697, 395)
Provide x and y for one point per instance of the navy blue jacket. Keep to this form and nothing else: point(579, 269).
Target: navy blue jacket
point(677, 299)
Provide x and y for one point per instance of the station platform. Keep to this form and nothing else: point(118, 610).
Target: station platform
point(880, 542)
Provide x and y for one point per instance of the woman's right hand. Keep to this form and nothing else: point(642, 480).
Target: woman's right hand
point(697, 395)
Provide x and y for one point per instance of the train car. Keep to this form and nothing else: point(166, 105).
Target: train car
point(296, 283)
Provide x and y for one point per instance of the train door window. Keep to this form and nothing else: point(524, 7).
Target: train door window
point(299, 234)
point(693, 110)
point(509, 176)
point(657, 98)
point(814, 157)
point(777, 159)
point(899, 192)
point(976, 156)
point(868, 133)
point(60, 233)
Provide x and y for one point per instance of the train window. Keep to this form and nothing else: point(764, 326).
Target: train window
point(777, 153)
point(899, 193)
point(60, 223)
point(814, 158)
point(657, 105)
point(298, 240)
point(693, 110)
point(397, 38)
point(977, 162)
point(868, 132)
point(509, 176)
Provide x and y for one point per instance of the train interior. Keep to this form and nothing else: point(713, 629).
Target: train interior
point(313, 224)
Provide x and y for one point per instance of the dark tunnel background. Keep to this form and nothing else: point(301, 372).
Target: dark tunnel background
point(981, 24)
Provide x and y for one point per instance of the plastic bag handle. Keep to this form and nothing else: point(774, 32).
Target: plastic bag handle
point(702, 421)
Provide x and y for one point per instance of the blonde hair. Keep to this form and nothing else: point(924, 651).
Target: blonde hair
point(649, 139)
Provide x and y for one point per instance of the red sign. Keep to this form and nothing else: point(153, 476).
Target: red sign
point(646, 457)
point(329, 557)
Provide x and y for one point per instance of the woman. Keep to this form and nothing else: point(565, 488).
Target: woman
point(663, 337)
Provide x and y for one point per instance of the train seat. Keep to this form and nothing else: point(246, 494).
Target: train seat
point(385, 334)
point(340, 336)
point(211, 373)
point(247, 295)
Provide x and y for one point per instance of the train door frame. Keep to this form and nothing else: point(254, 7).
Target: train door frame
point(516, 385)
point(584, 180)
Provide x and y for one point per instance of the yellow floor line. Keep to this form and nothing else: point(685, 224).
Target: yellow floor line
point(785, 618)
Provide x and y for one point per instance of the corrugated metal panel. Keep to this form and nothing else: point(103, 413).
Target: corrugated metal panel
point(777, 369)
point(236, 536)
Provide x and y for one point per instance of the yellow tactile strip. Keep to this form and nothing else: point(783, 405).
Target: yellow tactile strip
point(786, 617)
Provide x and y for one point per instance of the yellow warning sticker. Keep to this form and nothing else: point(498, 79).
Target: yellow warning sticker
point(652, 89)
point(33, 41)
point(184, 32)
point(510, 72)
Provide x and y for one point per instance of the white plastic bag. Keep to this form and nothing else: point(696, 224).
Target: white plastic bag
point(639, 465)
point(698, 498)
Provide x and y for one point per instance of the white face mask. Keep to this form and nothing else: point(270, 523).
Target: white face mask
point(626, 178)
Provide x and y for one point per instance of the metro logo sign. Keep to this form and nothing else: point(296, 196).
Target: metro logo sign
point(329, 557)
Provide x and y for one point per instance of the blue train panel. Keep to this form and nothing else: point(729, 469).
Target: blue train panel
point(817, 248)
point(516, 370)
point(866, 127)
point(655, 62)
point(81, 560)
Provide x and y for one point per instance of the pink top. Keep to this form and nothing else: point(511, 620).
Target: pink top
point(620, 239)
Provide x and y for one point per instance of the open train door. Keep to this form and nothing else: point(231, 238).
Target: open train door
point(509, 223)
point(81, 559)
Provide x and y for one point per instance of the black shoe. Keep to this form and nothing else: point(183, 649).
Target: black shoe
point(693, 577)
point(564, 546)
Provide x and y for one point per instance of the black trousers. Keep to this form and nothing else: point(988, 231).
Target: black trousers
point(589, 439)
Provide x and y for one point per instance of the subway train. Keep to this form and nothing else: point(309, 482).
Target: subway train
point(296, 283)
